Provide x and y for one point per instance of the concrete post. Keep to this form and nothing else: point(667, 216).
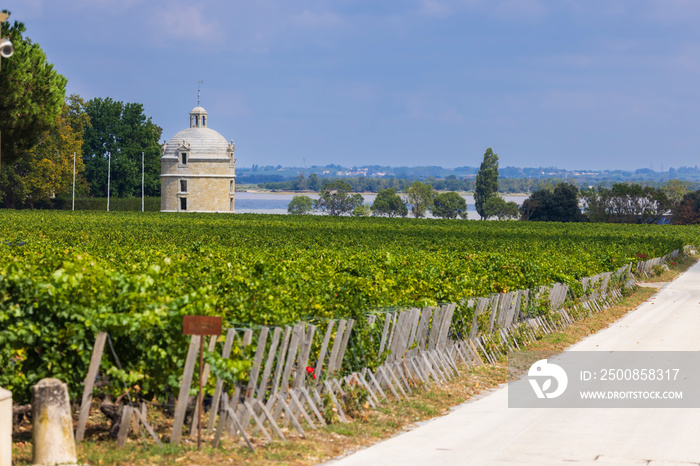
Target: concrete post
point(52, 425)
point(5, 427)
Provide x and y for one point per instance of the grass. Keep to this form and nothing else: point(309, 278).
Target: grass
point(369, 427)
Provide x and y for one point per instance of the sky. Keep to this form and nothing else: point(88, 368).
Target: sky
point(576, 84)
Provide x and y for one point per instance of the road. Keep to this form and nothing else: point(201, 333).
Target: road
point(487, 432)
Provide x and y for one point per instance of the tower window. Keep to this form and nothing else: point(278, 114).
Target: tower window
point(231, 187)
point(183, 203)
point(183, 186)
point(183, 158)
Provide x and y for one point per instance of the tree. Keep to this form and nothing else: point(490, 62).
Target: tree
point(687, 212)
point(314, 182)
point(560, 204)
point(300, 205)
point(511, 210)
point(335, 198)
point(594, 203)
point(420, 196)
point(31, 99)
point(675, 190)
point(626, 203)
point(299, 183)
point(502, 210)
point(47, 169)
point(486, 183)
point(449, 205)
point(389, 203)
point(362, 210)
point(124, 131)
point(32, 95)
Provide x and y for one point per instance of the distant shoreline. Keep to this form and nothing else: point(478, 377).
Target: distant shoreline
point(292, 193)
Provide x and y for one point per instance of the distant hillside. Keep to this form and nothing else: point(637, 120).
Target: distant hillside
point(270, 174)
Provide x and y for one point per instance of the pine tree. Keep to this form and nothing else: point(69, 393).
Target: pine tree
point(32, 97)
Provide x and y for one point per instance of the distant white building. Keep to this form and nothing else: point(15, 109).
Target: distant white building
point(198, 169)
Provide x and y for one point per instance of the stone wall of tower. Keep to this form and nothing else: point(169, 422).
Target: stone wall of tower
point(168, 194)
point(209, 185)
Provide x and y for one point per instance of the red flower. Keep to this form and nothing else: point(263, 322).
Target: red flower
point(310, 371)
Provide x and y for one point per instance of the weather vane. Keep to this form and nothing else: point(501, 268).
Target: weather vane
point(198, 85)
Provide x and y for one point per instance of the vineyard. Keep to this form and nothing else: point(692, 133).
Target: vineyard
point(66, 276)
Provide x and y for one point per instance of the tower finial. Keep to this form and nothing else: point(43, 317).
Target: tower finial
point(198, 84)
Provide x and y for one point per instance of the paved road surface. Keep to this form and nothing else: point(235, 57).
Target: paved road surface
point(487, 432)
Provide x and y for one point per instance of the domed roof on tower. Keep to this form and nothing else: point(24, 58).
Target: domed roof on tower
point(200, 140)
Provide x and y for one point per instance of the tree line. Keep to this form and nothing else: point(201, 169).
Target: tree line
point(336, 198)
point(622, 203)
point(365, 184)
point(562, 202)
point(42, 129)
point(359, 184)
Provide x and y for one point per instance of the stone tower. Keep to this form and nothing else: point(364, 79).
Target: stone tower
point(198, 169)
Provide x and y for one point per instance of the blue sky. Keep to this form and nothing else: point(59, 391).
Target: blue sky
point(598, 84)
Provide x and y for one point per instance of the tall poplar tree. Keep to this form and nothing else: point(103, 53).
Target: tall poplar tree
point(486, 184)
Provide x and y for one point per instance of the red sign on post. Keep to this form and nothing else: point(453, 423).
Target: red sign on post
point(201, 325)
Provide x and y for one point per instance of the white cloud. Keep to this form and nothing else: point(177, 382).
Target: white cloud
point(601, 105)
point(687, 60)
point(188, 22)
point(509, 10)
point(362, 92)
point(314, 19)
point(436, 8)
point(519, 10)
point(29, 7)
point(227, 103)
point(651, 11)
point(423, 106)
point(109, 6)
point(672, 11)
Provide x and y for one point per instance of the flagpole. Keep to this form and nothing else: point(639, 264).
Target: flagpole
point(143, 181)
point(109, 175)
point(73, 181)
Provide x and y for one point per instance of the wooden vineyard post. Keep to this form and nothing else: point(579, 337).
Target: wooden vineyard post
point(200, 326)
point(89, 383)
point(324, 349)
point(204, 376)
point(181, 405)
point(219, 382)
